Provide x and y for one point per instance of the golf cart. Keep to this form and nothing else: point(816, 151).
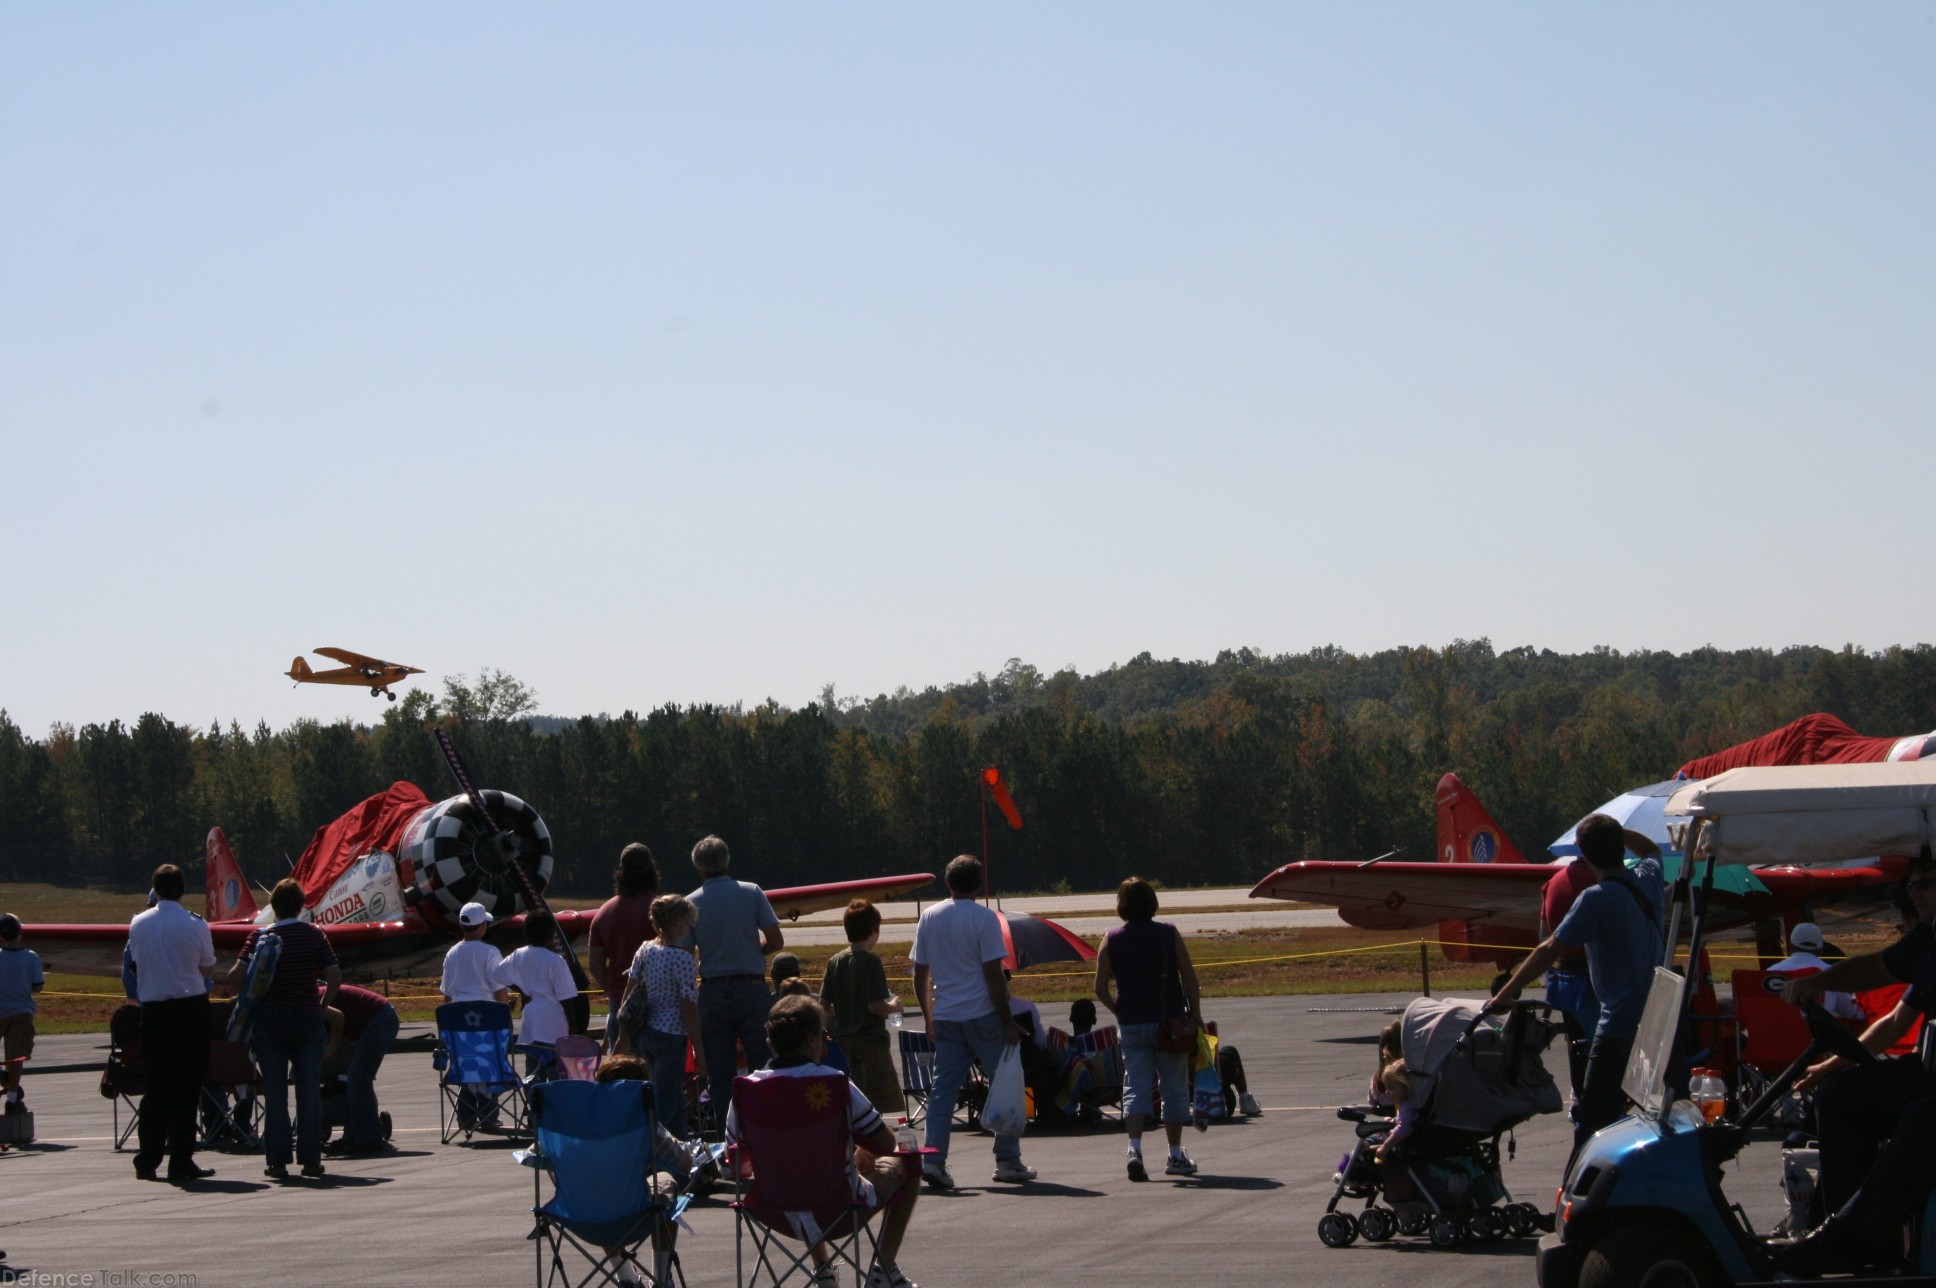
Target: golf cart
point(1643, 1205)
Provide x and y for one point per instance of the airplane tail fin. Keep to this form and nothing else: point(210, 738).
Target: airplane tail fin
point(299, 670)
point(229, 898)
point(1468, 833)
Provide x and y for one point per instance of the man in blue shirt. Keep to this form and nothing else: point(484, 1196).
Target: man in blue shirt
point(1617, 922)
point(735, 933)
point(20, 979)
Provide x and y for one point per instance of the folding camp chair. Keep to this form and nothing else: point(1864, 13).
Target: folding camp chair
point(917, 1081)
point(577, 1057)
point(1769, 1034)
point(122, 1081)
point(595, 1139)
point(473, 1059)
point(793, 1134)
point(1878, 1002)
point(232, 1107)
point(1101, 1048)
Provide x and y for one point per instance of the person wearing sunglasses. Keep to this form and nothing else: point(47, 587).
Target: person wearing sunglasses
point(1877, 1122)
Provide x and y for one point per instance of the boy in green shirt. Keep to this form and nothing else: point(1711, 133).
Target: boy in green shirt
point(857, 1001)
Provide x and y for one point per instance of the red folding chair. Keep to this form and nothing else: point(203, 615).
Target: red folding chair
point(794, 1139)
point(1769, 1034)
point(1878, 1002)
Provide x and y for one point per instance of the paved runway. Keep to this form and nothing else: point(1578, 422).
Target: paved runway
point(447, 1215)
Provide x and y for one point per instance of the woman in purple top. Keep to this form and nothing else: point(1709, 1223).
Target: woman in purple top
point(1143, 975)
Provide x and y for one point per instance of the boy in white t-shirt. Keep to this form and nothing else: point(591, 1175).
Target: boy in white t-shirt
point(470, 961)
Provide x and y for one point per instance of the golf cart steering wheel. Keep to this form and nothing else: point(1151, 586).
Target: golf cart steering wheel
point(1834, 1036)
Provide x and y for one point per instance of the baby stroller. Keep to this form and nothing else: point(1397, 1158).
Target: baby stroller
point(1474, 1077)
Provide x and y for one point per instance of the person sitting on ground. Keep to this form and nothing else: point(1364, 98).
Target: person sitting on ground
point(538, 972)
point(796, 1032)
point(857, 1000)
point(20, 978)
point(1805, 945)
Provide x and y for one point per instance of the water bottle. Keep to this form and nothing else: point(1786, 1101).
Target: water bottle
point(904, 1139)
point(893, 1019)
point(1709, 1094)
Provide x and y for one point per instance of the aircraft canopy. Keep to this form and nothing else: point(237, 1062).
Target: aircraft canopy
point(1812, 813)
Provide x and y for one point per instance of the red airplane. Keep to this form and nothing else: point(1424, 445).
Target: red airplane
point(1482, 896)
point(385, 881)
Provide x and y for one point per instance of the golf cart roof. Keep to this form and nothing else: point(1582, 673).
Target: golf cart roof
point(1811, 813)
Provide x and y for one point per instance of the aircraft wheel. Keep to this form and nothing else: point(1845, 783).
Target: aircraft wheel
point(1337, 1230)
point(390, 695)
point(1377, 1225)
point(1446, 1232)
point(1637, 1256)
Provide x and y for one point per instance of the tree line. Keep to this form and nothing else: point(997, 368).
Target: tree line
point(1190, 772)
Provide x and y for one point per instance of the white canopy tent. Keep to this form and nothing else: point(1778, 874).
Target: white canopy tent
point(1810, 813)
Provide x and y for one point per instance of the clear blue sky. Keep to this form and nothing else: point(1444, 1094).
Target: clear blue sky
point(716, 352)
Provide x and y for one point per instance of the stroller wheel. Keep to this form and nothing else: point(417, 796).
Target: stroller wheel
point(1521, 1220)
point(1446, 1232)
point(1485, 1226)
point(1337, 1230)
point(1377, 1225)
point(1412, 1224)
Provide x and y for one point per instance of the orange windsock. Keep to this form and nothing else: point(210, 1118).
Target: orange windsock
point(991, 778)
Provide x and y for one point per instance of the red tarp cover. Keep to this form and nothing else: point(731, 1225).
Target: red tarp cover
point(1819, 739)
point(376, 824)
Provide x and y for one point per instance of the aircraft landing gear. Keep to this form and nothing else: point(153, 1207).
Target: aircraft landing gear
point(390, 695)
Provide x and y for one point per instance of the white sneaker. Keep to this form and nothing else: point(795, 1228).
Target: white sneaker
point(1247, 1105)
point(1179, 1165)
point(1014, 1172)
point(889, 1277)
point(936, 1174)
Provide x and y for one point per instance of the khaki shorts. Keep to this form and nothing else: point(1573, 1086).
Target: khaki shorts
point(888, 1176)
point(17, 1036)
point(871, 1068)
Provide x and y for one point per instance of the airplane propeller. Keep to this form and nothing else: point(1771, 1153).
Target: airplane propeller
point(507, 845)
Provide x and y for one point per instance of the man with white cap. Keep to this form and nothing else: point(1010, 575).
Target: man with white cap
point(1804, 953)
point(469, 963)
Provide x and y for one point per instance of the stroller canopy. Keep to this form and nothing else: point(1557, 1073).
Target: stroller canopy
point(1476, 1073)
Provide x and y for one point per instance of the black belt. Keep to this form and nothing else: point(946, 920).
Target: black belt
point(727, 979)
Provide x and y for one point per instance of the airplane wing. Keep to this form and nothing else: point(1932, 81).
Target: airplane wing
point(1407, 896)
point(796, 902)
point(348, 658)
point(1404, 896)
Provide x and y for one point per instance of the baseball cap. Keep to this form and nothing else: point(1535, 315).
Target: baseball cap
point(472, 915)
point(9, 926)
point(1805, 937)
point(785, 966)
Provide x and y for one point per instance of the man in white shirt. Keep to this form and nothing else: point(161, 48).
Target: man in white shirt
point(958, 955)
point(1804, 948)
point(173, 956)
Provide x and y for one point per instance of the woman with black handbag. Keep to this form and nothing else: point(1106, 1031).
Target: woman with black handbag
point(1144, 977)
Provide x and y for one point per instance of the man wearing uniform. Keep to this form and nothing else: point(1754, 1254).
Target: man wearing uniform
point(173, 956)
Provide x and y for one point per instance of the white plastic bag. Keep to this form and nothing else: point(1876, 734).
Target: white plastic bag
point(1005, 1112)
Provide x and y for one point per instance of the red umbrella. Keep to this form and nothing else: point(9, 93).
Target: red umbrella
point(1033, 940)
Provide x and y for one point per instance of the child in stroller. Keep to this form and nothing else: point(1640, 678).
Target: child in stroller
point(1451, 1081)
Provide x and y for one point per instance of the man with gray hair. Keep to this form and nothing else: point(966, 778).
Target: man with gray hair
point(735, 933)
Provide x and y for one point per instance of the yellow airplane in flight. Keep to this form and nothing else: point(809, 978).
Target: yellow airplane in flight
point(356, 669)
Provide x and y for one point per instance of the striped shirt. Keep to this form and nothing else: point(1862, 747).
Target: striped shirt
point(306, 954)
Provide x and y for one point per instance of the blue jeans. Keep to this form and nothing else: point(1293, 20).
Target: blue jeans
point(958, 1043)
point(1145, 1068)
point(665, 1053)
point(290, 1037)
point(732, 1013)
point(366, 1055)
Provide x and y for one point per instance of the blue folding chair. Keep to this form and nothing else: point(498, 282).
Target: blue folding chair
point(473, 1059)
point(595, 1140)
point(917, 1081)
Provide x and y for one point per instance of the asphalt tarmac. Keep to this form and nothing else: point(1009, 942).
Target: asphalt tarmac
point(436, 1215)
